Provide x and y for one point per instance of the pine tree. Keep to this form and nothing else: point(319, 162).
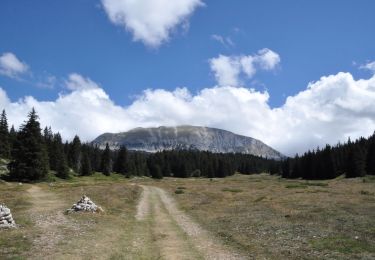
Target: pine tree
point(60, 161)
point(370, 160)
point(85, 169)
point(12, 138)
point(48, 141)
point(356, 162)
point(4, 136)
point(121, 165)
point(96, 158)
point(30, 160)
point(74, 157)
point(106, 165)
point(155, 171)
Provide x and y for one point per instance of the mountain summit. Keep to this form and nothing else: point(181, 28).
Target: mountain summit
point(186, 137)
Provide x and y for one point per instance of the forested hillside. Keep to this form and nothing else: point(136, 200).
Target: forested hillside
point(36, 155)
point(353, 159)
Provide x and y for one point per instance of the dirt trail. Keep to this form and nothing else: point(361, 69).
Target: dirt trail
point(48, 216)
point(176, 234)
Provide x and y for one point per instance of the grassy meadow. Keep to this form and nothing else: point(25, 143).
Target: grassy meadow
point(261, 216)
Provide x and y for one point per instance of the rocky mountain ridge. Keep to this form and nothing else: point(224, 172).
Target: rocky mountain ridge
point(186, 137)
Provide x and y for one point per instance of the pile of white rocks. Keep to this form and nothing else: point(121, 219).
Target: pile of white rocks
point(6, 218)
point(85, 204)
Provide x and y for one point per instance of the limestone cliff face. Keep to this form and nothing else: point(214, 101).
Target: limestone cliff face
point(186, 137)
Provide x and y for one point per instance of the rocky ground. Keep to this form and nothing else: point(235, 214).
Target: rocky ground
point(6, 218)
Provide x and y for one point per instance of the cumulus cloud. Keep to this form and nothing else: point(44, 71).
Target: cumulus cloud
point(76, 81)
point(231, 70)
point(369, 66)
point(327, 111)
point(11, 66)
point(150, 21)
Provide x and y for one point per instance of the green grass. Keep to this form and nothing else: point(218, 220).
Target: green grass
point(369, 178)
point(342, 244)
point(179, 191)
point(260, 199)
point(318, 184)
point(365, 192)
point(12, 243)
point(234, 190)
point(296, 186)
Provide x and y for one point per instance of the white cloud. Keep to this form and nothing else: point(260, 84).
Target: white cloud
point(329, 110)
point(231, 70)
point(11, 66)
point(76, 82)
point(225, 41)
point(150, 21)
point(369, 66)
point(267, 59)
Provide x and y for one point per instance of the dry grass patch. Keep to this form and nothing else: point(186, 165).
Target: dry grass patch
point(46, 232)
point(275, 218)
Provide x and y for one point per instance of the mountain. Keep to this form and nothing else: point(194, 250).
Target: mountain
point(186, 137)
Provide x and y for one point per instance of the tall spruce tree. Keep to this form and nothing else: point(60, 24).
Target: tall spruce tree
point(48, 141)
point(4, 136)
point(121, 164)
point(106, 165)
point(86, 168)
point(95, 156)
point(356, 162)
point(74, 157)
point(370, 160)
point(12, 138)
point(60, 160)
point(30, 160)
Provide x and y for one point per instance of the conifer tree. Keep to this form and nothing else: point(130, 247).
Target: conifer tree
point(370, 160)
point(12, 138)
point(85, 169)
point(30, 160)
point(95, 158)
point(60, 161)
point(4, 136)
point(121, 165)
point(74, 157)
point(106, 164)
point(356, 162)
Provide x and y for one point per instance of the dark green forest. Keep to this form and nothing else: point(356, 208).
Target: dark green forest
point(35, 154)
point(352, 159)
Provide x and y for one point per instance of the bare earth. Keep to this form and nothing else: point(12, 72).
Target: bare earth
point(179, 237)
point(49, 220)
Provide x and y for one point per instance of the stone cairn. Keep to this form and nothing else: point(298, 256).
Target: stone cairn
point(6, 219)
point(85, 204)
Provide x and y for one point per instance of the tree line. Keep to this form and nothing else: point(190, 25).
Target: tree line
point(35, 154)
point(352, 159)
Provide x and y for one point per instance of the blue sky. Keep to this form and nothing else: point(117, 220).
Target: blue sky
point(313, 38)
point(58, 38)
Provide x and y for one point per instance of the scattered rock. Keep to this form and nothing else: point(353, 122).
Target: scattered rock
point(85, 204)
point(6, 218)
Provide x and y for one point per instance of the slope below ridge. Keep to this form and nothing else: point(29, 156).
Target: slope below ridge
point(186, 137)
